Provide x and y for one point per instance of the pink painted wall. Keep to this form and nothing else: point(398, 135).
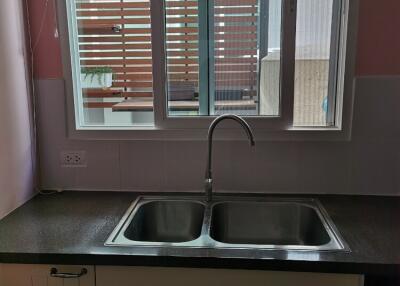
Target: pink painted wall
point(47, 54)
point(378, 39)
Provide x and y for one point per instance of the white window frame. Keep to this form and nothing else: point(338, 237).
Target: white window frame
point(195, 128)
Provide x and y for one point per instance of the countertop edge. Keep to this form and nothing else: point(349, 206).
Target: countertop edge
point(202, 262)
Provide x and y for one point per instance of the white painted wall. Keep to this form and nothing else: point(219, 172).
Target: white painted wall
point(16, 156)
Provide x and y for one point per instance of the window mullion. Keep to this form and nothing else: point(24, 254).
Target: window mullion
point(75, 63)
point(159, 58)
point(288, 61)
point(204, 71)
point(211, 55)
point(333, 63)
point(262, 39)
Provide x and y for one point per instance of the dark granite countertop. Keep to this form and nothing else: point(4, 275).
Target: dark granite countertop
point(71, 228)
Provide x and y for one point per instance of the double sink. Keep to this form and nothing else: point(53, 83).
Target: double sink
point(227, 222)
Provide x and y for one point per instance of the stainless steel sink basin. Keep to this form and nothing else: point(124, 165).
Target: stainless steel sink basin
point(268, 223)
point(227, 222)
point(149, 222)
point(166, 221)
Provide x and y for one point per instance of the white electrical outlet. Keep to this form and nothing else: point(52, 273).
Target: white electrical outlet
point(73, 158)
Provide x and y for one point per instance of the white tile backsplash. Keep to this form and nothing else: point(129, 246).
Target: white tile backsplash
point(369, 164)
point(142, 165)
point(102, 171)
point(324, 167)
point(269, 166)
point(185, 165)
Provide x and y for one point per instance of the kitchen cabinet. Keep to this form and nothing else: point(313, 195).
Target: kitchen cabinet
point(39, 275)
point(155, 276)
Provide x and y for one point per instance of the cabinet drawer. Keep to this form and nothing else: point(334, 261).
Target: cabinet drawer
point(40, 275)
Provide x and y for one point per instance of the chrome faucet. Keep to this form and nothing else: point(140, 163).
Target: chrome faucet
point(208, 184)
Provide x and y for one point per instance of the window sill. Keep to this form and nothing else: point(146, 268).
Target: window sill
point(200, 134)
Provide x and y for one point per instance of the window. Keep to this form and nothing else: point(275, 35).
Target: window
point(111, 48)
point(278, 61)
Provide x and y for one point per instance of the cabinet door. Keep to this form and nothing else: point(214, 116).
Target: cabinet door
point(39, 275)
point(153, 276)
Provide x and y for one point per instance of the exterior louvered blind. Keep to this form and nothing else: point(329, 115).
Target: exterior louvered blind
point(235, 49)
point(182, 45)
point(116, 34)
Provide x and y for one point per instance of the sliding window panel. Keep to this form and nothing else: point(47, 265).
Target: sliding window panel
point(235, 56)
point(223, 56)
point(182, 48)
point(317, 46)
point(246, 57)
point(114, 66)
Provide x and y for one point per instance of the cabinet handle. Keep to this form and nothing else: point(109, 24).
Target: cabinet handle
point(54, 273)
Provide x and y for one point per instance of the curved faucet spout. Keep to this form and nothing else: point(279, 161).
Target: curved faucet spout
point(246, 127)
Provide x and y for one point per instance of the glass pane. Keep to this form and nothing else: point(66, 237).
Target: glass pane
point(182, 47)
point(271, 59)
point(234, 67)
point(314, 69)
point(246, 57)
point(115, 62)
